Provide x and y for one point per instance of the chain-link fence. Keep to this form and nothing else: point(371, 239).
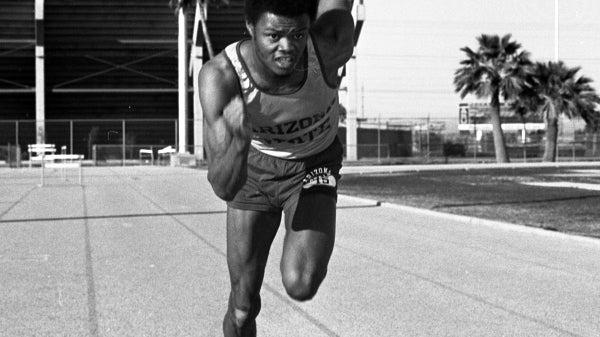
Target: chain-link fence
point(131, 142)
point(415, 140)
point(103, 141)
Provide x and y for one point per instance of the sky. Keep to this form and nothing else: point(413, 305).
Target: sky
point(408, 51)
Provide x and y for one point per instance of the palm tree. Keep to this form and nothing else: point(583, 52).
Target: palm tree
point(496, 70)
point(554, 89)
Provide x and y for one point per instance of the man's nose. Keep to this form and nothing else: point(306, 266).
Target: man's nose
point(285, 44)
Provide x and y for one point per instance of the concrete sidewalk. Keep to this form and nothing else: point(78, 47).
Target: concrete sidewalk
point(140, 251)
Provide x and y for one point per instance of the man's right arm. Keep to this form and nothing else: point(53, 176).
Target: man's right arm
point(228, 132)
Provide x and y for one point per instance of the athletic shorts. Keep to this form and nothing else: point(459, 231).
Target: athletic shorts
point(272, 182)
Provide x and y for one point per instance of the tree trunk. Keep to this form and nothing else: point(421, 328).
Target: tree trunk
point(499, 142)
point(551, 137)
point(594, 143)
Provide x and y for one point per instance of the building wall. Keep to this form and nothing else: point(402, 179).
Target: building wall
point(399, 142)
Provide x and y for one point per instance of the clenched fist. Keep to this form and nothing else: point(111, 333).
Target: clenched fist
point(236, 119)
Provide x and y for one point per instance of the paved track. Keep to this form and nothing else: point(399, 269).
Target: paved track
point(139, 251)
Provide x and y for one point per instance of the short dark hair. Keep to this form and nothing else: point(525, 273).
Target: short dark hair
point(253, 9)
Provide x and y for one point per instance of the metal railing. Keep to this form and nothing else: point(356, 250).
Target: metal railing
point(119, 141)
point(424, 140)
point(80, 136)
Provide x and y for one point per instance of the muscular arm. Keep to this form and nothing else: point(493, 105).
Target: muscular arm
point(228, 132)
point(334, 33)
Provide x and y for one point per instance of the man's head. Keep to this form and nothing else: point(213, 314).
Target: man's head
point(290, 8)
point(279, 30)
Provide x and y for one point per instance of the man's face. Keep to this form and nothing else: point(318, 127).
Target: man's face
point(279, 41)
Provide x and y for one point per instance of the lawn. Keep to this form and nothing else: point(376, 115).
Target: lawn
point(500, 194)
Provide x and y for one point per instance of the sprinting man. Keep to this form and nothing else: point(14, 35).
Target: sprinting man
point(271, 110)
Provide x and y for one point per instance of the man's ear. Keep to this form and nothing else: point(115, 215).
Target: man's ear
point(250, 28)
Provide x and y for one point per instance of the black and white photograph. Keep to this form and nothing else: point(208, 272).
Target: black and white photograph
point(299, 168)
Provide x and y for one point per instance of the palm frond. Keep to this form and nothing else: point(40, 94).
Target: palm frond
point(564, 90)
point(498, 65)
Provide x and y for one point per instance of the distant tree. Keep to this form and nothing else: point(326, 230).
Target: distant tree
point(497, 69)
point(553, 89)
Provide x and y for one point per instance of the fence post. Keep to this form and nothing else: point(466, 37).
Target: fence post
point(379, 139)
point(387, 127)
point(427, 137)
point(94, 155)
point(18, 155)
point(123, 142)
point(17, 132)
point(475, 143)
point(176, 134)
point(524, 142)
point(71, 135)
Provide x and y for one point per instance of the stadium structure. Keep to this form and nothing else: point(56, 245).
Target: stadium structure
point(110, 73)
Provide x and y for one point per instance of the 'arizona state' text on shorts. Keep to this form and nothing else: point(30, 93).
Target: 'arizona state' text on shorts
point(273, 181)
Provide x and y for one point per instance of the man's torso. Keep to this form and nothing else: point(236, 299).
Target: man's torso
point(292, 125)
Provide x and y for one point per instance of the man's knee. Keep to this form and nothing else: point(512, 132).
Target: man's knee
point(242, 317)
point(302, 286)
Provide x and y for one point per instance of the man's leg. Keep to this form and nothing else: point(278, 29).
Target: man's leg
point(249, 238)
point(309, 240)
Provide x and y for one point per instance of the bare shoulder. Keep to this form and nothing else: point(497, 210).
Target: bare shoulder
point(218, 74)
point(218, 84)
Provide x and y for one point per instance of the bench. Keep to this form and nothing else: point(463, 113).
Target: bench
point(39, 152)
point(166, 152)
point(55, 161)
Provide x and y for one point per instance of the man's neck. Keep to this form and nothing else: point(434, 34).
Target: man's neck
point(269, 81)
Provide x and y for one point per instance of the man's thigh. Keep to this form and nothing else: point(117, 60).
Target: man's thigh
point(310, 234)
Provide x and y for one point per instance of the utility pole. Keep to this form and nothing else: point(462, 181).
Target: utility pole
point(352, 91)
point(556, 31)
point(556, 50)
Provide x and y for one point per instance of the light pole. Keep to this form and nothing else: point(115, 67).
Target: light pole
point(352, 90)
point(555, 30)
point(556, 60)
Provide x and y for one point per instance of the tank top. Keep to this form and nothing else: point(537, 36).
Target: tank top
point(292, 125)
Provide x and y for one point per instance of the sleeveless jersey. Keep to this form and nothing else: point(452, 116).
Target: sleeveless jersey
point(294, 125)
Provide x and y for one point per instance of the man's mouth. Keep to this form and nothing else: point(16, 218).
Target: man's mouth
point(285, 62)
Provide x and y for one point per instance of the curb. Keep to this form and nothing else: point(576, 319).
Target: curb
point(479, 221)
point(367, 169)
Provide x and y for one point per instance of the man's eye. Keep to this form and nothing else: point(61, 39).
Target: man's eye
point(274, 36)
point(299, 36)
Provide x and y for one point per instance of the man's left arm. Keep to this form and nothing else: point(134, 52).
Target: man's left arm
point(334, 32)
